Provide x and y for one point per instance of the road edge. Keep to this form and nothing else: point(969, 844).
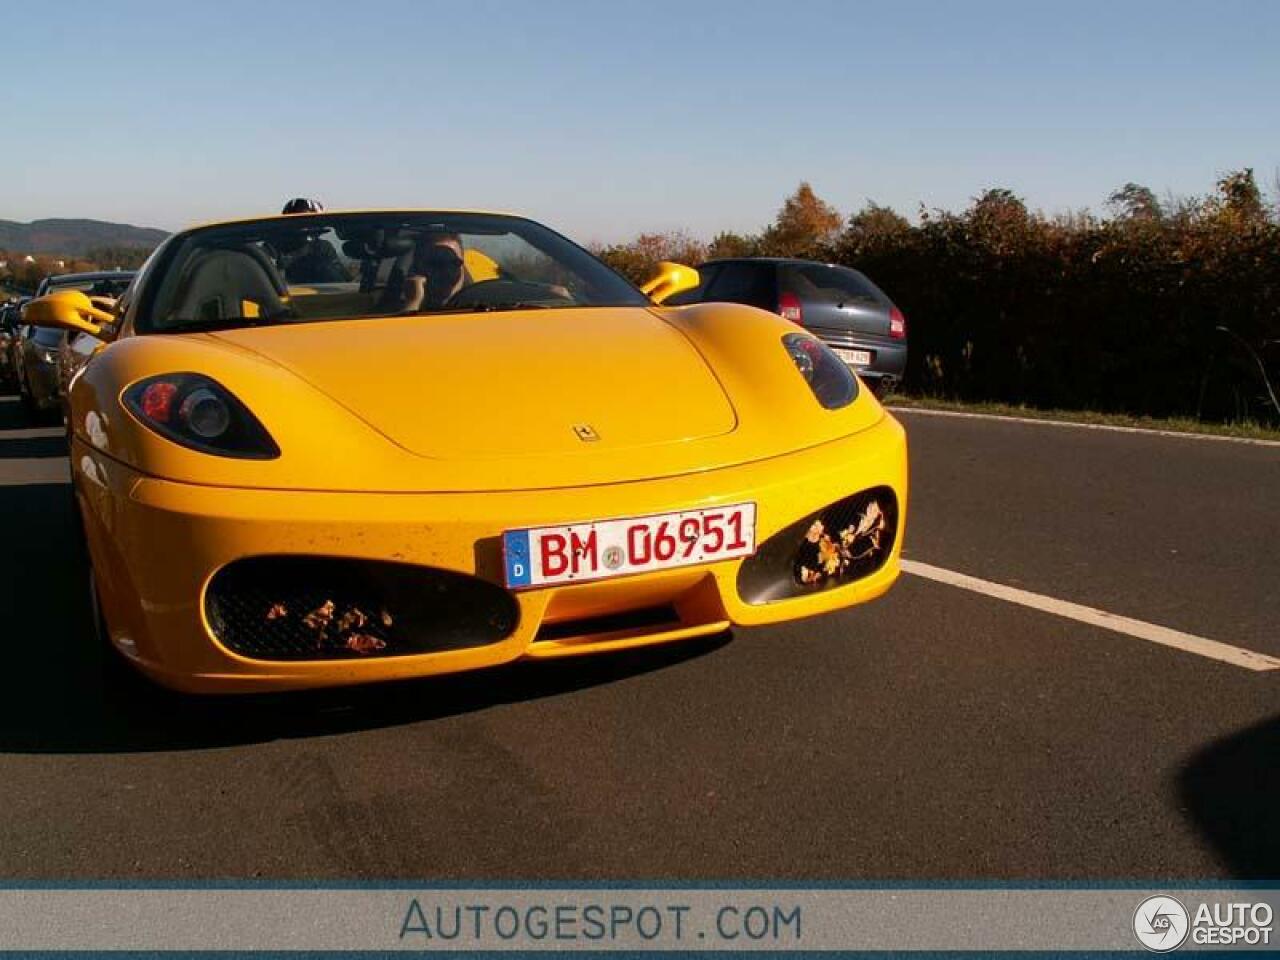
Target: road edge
point(1111, 428)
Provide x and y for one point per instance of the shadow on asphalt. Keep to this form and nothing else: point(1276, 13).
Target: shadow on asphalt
point(25, 448)
point(12, 414)
point(1231, 790)
point(61, 693)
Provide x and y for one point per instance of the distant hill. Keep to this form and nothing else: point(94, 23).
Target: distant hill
point(73, 237)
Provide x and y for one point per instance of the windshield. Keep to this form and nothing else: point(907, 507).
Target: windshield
point(340, 266)
point(111, 286)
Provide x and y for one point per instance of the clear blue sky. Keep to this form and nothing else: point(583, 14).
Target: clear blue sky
point(605, 119)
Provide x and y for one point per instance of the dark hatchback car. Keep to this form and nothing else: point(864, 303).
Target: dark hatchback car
point(36, 368)
point(8, 335)
point(841, 306)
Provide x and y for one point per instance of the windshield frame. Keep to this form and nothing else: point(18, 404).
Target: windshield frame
point(84, 282)
point(143, 312)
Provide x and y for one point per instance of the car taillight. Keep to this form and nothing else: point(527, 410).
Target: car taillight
point(897, 324)
point(789, 307)
point(197, 412)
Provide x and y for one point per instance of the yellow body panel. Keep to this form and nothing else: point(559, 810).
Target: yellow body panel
point(156, 543)
point(483, 401)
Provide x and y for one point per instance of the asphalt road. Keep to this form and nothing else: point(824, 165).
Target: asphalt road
point(935, 734)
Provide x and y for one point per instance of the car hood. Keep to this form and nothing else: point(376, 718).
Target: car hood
point(538, 399)
point(525, 383)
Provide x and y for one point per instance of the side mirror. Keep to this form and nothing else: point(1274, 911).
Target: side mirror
point(671, 278)
point(69, 310)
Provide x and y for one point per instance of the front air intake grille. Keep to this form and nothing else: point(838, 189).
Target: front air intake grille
point(321, 608)
point(844, 541)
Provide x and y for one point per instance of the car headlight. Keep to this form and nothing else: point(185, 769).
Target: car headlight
point(197, 412)
point(828, 377)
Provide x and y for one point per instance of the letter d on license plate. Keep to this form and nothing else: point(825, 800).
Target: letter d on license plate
point(575, 552)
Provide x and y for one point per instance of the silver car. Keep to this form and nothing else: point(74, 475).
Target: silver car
point(37, 371)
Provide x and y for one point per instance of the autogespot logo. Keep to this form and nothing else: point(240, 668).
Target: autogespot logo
point(1161, 923)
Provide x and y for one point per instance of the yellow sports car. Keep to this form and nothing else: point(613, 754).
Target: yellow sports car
point(340, 447)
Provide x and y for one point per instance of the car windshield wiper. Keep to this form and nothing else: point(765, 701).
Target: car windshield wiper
point(488, 308)
point(513, 305)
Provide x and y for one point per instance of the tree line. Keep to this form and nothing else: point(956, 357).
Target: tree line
point(1157, 308)
point(24, 272)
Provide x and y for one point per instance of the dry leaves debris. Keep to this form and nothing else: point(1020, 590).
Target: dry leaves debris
point(365, 643)
point(347, 626)
point(833, 555)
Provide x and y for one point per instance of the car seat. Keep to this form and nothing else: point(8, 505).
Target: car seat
point(225, 283)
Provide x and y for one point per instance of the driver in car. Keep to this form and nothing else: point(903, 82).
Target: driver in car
point(438, 272)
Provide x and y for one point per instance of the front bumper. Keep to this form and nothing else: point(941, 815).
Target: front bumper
point(157, 545)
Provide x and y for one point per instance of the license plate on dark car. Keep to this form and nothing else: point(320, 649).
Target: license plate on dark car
point(855, 358)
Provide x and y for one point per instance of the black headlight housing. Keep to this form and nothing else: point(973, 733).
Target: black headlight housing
point(196, 411)
point(832, 383)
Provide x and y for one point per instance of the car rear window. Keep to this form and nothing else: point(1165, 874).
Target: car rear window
point(743, 283)
point(817, 281)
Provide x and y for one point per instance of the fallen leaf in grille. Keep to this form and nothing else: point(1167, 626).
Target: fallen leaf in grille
point(352, 619)
point(320, 617)
point(872, 518)
point(276, 611)
point(829, 556)
point(365, 643)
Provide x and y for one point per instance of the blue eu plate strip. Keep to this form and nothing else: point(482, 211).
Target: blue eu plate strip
point(515, 555)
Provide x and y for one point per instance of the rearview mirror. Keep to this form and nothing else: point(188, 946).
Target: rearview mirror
point(671, 278)
point(69, 310)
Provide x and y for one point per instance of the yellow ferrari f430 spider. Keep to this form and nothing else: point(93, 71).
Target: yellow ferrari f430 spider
point(342, 447)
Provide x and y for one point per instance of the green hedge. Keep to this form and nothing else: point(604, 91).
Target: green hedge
point(1117, 315)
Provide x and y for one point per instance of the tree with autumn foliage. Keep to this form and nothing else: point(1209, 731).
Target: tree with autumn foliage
point(804, 227)
point(1135, 203)
point(638, 260)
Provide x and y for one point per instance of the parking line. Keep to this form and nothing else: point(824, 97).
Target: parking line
point(1153, 633)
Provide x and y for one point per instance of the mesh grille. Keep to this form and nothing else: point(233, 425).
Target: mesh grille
point(317, 608)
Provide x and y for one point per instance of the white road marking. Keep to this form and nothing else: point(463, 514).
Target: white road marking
point(1153, 633)
point(32, 433)
point(967, 415)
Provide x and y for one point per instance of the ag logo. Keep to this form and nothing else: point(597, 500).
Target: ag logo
point(1161, 923)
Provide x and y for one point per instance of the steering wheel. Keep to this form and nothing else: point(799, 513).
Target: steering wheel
point(502, 290)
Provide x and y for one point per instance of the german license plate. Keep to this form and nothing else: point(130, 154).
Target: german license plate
point(855, 358)
point(575, 552)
